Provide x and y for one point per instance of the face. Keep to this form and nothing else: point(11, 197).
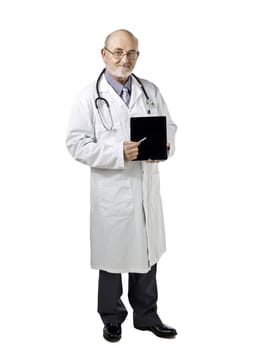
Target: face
point(120, 68)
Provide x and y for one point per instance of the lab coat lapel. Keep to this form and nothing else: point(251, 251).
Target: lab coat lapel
point(136, 92)
point(109, 93)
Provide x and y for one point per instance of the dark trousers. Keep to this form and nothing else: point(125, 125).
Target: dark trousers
point(142, 295)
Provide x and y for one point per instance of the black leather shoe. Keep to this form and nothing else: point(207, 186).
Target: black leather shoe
point(112, 332)
point(161, 331)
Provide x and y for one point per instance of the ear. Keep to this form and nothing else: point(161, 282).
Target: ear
point(103, 54)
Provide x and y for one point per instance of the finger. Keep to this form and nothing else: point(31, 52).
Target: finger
point(152, 161)
point(132, 154)
point(131, 148)
point(131, 143)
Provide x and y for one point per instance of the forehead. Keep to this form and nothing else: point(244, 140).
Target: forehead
point(122, 40)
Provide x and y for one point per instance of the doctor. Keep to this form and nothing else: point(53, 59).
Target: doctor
point(126, 222)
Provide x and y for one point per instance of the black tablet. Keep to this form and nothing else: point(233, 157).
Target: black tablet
point(154, 130)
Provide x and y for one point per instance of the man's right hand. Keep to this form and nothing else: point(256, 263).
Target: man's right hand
point(130, 149)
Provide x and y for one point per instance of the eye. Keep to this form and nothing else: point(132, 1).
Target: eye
point(118, 53)
point(131, 53)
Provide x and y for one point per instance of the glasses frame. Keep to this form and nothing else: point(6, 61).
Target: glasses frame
point(127, 53)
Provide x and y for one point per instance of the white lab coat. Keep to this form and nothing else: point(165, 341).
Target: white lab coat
point(126, 222)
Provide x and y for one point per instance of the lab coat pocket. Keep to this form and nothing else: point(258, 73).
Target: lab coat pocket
point(115, 196)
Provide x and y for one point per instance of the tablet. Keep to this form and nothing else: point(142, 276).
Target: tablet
point(154, 130)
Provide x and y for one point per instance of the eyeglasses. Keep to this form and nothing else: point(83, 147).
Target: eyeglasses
point(118, 54)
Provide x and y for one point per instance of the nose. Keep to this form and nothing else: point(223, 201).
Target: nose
point(124, 58)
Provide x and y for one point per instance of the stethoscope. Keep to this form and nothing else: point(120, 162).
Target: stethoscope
point(149, 103)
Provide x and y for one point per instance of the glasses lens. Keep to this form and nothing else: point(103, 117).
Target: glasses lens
point(130, 54)
point(118, 54)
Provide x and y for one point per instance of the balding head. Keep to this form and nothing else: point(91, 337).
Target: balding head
point(121, 34)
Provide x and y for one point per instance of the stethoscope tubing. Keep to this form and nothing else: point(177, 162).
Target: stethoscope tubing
point(100, 98)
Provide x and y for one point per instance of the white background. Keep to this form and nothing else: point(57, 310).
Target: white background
point(205, 56)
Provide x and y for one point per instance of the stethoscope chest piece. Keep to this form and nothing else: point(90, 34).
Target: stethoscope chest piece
point(150, 103)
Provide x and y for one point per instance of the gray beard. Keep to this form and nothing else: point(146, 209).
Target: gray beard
point(118, 74)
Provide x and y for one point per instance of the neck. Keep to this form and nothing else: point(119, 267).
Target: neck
point(121, 80)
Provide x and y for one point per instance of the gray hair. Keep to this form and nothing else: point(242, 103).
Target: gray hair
point(107, 39)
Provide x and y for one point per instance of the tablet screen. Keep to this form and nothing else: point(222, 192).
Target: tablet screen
point(154, 129)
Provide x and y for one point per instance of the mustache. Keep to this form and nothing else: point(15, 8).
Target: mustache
point(126, 65)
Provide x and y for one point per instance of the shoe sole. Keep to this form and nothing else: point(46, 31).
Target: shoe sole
point(166, 336)
point(114, 340)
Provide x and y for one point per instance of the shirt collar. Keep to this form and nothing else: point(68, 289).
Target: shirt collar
point(118, 87)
